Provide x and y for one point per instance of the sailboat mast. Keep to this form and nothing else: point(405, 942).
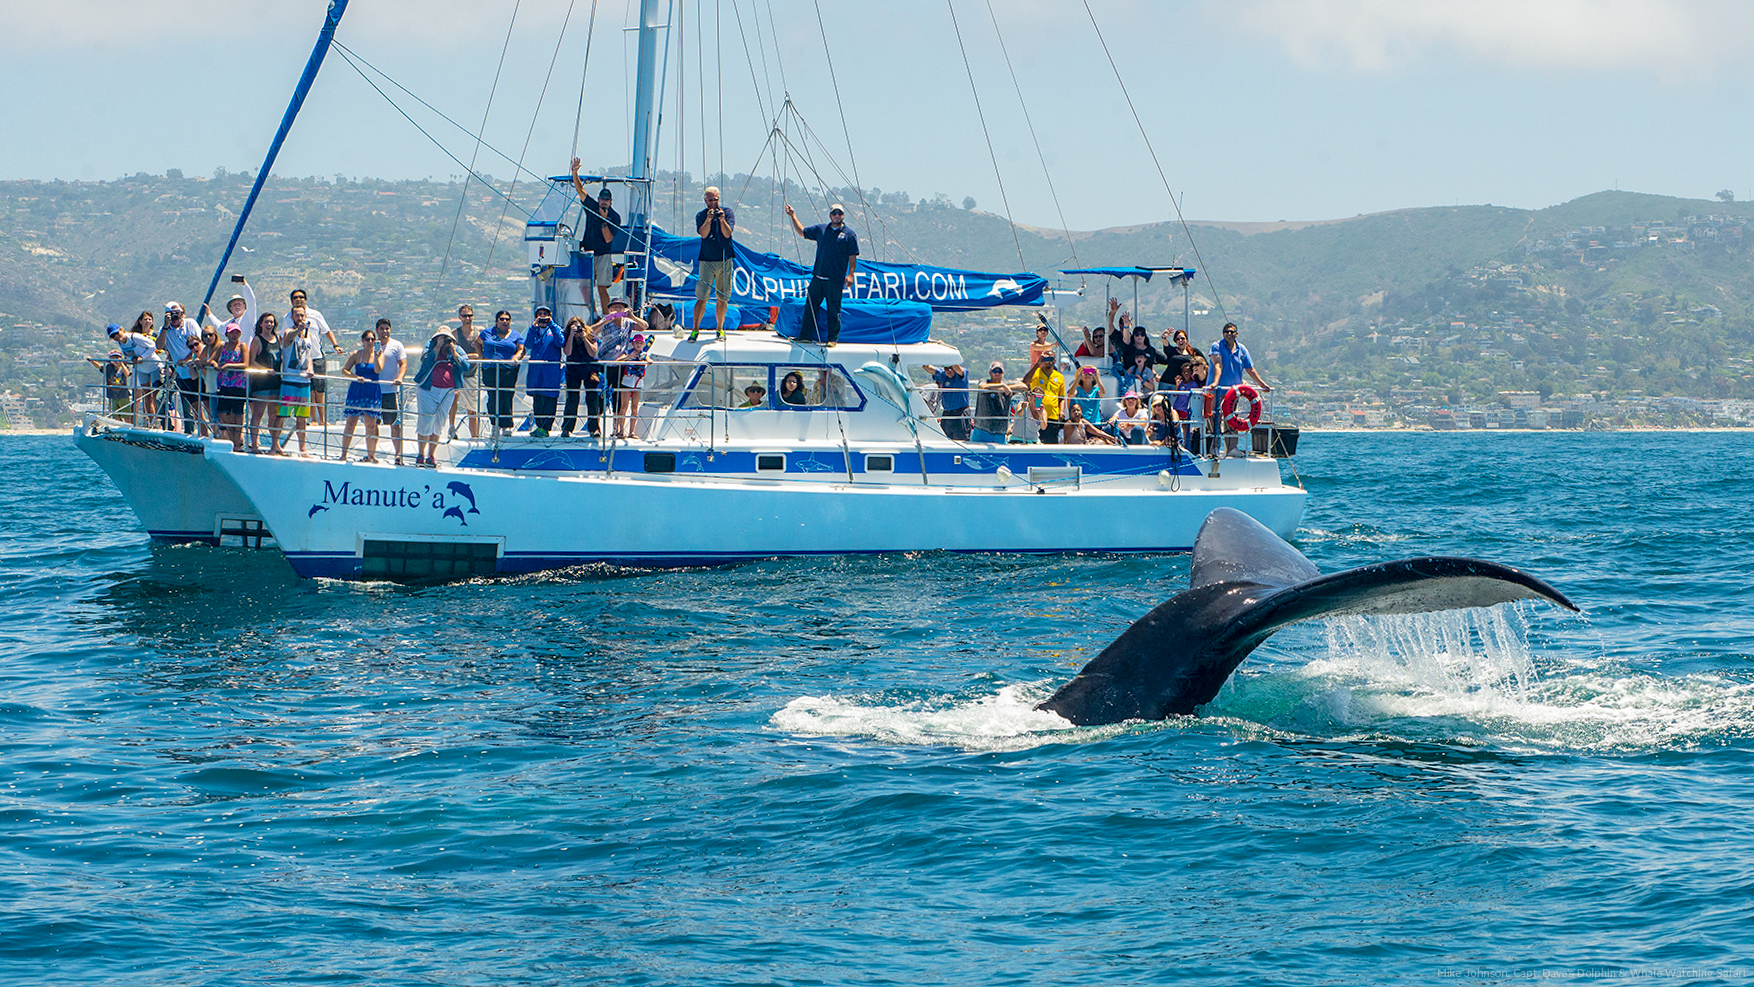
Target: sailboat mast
point(652, 17)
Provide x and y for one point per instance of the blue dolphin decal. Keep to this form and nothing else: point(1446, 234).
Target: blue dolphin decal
point(461, 489)
point(314, 509)
point(456, 512)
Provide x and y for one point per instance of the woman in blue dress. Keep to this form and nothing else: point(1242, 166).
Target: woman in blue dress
point(364, 395)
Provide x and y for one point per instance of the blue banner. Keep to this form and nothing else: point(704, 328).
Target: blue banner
point(763, 280)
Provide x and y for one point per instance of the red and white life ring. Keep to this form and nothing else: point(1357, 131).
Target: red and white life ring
point(1234, 421)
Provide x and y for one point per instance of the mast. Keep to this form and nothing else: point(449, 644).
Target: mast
point(639, 211)
point(324, 37)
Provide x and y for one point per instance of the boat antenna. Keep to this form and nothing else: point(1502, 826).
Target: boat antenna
point(331, 20)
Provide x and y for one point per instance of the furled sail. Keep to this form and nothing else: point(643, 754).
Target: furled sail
point(762, 280)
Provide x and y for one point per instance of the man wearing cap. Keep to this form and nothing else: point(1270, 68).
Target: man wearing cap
point(754, 396)
point(992, 406)
point(115, 379)
point(1053, 388)
point(182, 341)
point(390, 382)
point(544, 345)
point(602, 222)
point(715, 224)
point(952, 384)
point(837, 257)
point(138, 352)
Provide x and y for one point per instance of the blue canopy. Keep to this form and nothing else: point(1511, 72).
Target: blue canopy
point(875, 320)
point(1182, 273)
point(760, 280)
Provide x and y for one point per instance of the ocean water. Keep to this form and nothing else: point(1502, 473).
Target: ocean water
point(830, 771)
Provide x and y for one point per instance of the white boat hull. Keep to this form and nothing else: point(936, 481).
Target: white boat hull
point(175, 490)
point(354, 520)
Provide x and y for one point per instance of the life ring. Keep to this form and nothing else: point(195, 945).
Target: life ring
point(1235, 422)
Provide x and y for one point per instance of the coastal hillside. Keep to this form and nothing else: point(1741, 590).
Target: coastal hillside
point(1613, 296)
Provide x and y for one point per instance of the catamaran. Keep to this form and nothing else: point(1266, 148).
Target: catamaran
point(744, 445)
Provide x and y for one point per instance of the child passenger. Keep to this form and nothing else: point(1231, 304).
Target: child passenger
point(633, 376)
point(1078, 430)
point(1027, 417)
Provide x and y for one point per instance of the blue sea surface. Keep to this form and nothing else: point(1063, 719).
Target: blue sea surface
point(829, 771)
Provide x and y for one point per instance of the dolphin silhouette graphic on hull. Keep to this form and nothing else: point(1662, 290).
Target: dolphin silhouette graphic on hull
point(1245, 584)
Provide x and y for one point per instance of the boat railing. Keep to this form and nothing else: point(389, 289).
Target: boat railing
point(491, 405)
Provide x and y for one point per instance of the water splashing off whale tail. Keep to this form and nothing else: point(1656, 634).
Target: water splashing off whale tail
point(1246, 583)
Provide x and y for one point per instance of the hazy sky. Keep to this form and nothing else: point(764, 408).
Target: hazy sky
point(1257, 109)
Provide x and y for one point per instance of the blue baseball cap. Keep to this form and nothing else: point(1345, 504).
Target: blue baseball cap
point(113, 329)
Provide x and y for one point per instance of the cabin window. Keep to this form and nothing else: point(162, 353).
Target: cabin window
point(660, 462)
point(814, 387)
point(879, 464)
point(770, 462)
point(726, 387)
point(664, 381)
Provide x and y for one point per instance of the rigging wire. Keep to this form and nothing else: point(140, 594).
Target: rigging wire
point(1153, 151)
point(531, 133)
point(463, 196)
point(424, 132)
point(852, 158)
point(773, 31)
point(700, 90)
point(983, 118)
point(584, 74)
point(872, 213)
point(761, 46)
point(719, 70)
point(681, 113)
point(755, 83)
point(508, 159)
point(1028, 119)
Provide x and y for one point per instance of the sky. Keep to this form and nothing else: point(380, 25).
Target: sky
point(1247, 110)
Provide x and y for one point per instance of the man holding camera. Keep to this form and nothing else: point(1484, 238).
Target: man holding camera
point(715, 225)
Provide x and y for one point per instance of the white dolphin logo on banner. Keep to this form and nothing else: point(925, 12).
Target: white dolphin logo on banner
point(1003, 287)
point(673, 272)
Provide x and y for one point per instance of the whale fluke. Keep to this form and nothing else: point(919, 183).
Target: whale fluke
point(1245, 584)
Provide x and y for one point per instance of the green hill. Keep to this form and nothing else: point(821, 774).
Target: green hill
point(1615, 293)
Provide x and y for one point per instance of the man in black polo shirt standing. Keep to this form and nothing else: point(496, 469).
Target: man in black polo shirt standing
point(837, 256)
point(715, 224)
point(602, 222)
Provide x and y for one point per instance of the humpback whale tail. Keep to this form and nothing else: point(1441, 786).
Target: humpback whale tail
point(1245, 584)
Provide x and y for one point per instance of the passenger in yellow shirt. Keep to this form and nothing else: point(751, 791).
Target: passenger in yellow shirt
point(1053, 388)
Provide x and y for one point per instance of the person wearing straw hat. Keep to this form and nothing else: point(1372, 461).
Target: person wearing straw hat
point(441, 369)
